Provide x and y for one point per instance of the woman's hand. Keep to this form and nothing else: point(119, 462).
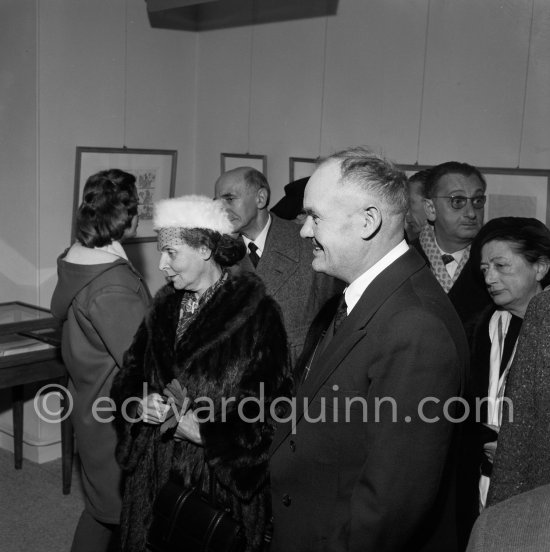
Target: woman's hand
point(152, 409)
point(188, 428)
point(180, 416)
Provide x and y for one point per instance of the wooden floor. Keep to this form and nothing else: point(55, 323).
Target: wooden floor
point(35, 516)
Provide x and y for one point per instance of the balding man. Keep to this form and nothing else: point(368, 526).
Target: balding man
point(364, 461)
point(275, 252)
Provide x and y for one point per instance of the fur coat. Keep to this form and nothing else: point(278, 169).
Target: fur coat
point(235, 347)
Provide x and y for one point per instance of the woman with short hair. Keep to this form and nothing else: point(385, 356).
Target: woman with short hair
point(101, 299)
point(218, 338)
point(513, 256)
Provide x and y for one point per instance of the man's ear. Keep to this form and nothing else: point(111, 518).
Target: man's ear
point(261, 198)
point(372, 220)
point(429, 209)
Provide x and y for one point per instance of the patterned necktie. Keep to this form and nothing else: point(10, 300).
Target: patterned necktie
point(254, 257)
point(446, 258)
point(341, 314)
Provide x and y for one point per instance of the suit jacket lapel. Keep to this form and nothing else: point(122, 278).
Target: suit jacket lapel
point(280, 257)
point(352, 329)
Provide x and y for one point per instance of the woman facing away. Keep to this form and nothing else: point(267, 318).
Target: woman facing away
point(513, 254)
point(101, 300)
point(222, 338)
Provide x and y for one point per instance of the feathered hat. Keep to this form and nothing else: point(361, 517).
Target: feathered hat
point(170, 216)
point(191, 211)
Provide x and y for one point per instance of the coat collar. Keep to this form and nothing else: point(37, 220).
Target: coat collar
point(281, 255)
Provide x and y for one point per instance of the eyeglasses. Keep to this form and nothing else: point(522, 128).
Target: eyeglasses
point(459, 202)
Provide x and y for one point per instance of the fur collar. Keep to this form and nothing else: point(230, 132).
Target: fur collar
point(229, 309)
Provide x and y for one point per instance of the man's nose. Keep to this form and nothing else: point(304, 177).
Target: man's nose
point(305, 231)
point(469, 210)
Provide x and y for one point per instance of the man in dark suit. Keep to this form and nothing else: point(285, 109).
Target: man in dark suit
point(364, 459)
point(514, 525)
point(276, 252)
point(454, 204)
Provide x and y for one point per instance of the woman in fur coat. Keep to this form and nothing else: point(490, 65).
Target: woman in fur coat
point(211, 339)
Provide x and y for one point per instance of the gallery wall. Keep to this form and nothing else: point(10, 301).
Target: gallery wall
point(423, 80)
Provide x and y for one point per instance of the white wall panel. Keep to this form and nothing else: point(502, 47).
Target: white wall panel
point(535, 151)
point(475, 78)
point(375, 60)
point(223, 100)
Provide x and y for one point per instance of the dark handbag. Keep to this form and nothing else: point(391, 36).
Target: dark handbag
point(188, 520)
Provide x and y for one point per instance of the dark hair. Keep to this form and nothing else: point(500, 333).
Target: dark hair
point(109, 203)
point(374, 173)
point(421, 177)
point(256, 180)
point(528, 237)
point(450, 167)
point(226, 250)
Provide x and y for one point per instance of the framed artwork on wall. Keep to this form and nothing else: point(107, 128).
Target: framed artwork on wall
point(155, 172)
point(511, 192)
point(300, 167)
point(231, 161)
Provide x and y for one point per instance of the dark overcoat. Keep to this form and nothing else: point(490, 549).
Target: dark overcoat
point(235, 348)
point(351, 476)
point(522, 459)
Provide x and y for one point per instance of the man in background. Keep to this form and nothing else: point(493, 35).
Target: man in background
point(455, 200)
point(416, 219)
point(350, 472)
point(275, 252)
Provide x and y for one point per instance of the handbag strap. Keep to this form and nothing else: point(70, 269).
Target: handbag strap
point(211, 483)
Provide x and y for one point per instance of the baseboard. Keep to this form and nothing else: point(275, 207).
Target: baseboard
point(38, 452)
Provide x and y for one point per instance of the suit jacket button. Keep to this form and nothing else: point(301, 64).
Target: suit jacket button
point(286, 500)
point(292, 446)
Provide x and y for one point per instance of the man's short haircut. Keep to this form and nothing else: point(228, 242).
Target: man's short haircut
point(421, 177)
point(450, 167)
point(376, 174)
point(256, 180)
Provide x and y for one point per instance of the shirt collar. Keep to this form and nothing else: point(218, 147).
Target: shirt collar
point(260, 240)
point(356, 289)
point(114, 248)
point(457, 255)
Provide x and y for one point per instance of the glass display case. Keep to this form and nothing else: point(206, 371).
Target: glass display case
point(27, 330)
point(30, 352)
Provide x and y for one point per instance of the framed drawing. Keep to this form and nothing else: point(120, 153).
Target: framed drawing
point(155, 172)
point(300, 167)
point(233, 160)
point(511, 192)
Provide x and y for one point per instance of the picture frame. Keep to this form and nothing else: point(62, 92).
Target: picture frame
point(231, 161)
point(511, 192)
point(155, 172)
point(300, 167)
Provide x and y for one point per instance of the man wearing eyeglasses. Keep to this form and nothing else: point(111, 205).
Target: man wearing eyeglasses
point(454, 205)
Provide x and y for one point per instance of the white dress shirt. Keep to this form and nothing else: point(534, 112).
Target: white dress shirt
point(260, 240)
point(457, 256)
point(356, 289)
